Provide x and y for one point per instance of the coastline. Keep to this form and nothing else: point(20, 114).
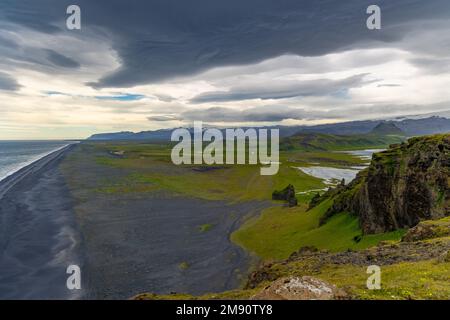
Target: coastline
point(143, 243)
point(14, 177)
point(39, 236)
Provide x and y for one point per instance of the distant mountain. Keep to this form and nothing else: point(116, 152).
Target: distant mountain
point(409, 127)
point(157, 135)
point(426, 126)
point(387, 128)
point(123, 135)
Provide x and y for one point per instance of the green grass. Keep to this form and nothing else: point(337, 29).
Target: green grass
point(402, 281)
point(205, 227)
point(149, 167)
point(426, 279)
point(329, 142)
point(280, 231)
point(183, 265)
point(231, 183)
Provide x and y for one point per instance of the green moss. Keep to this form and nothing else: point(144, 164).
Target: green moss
point(183, 265)
point(205, 227)
point(417, 280)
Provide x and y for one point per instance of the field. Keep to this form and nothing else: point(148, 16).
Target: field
point(279, 230)
point(135, 171)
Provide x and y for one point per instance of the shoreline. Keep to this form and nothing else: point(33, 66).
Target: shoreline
point(39, 238)
point(15, 177)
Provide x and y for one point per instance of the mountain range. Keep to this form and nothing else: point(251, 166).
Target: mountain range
point(409, 127)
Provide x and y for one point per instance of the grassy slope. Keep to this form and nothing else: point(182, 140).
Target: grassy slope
point(328, 142)
point(280, 231)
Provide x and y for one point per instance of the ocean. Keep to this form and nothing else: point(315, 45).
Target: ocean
point(15, 155)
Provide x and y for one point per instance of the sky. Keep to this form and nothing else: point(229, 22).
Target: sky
point(145, 65)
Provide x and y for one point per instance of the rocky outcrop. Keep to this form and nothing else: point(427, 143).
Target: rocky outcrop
point(287, 194)
point(428, 230)
point(300, 288)
point(403, 185)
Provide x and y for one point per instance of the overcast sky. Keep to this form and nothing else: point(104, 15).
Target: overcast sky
point(143, 65)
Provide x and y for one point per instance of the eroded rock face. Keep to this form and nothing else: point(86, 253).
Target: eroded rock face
point(402, 186)
point(300, 288)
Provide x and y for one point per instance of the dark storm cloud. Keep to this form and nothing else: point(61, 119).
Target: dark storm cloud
point(8, 83)
point(162, 39)
point(61, 60)
point(283, 89)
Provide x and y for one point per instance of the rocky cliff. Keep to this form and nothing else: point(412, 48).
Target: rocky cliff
point(402, 186)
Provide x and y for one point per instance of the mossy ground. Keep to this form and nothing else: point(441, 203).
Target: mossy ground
point(403, 281)
point(407, 280)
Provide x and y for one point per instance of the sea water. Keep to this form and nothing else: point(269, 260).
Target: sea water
point(14, 155)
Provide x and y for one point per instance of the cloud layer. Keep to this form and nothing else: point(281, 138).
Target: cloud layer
point(138, 65)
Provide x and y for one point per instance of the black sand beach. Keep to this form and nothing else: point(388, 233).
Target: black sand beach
point(125, 244)
point(38, 237)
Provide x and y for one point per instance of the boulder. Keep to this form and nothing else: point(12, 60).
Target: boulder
point(287, 194)
point(300, 288)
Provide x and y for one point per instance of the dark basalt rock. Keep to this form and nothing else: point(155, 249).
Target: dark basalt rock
point(402, 186)
point(287, 194)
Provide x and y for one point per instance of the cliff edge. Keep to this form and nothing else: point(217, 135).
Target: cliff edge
point(402, 186)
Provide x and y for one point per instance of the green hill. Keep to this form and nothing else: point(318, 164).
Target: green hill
point(387, 128)
point(329, 142)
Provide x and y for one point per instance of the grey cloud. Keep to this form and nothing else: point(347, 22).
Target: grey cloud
point(159, 40)
point(388, 85)
point(434, 65)
point(164, 97)
point(8, 83)
point(163, 118)
point(61, 60)
point(284, 89)
point(20, 54)
point(278, 113)
point(270, 113)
